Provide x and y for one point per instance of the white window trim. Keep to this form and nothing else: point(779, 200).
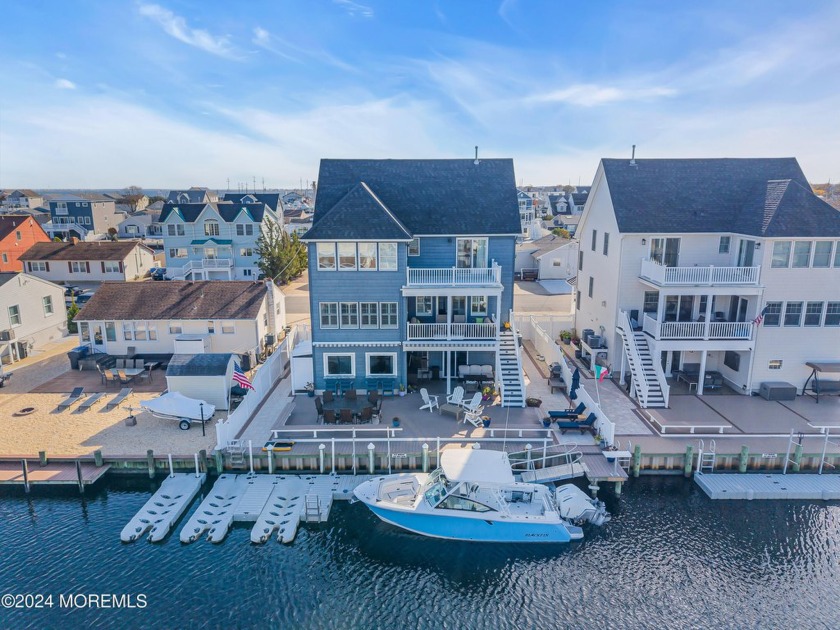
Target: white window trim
point(111, 264)
point(413, 242)
point(321, 316)
point(393, 356)
point(19, 316)
point(176, 323)
point(340, 354)
point(396, 249)
point(375, 257)
point(232, 326)
point(341, 323)
point(318, 257)
point(44, 305)
point(375, 314)
point(421, 299)
point(355, 266)
point(396, 316)
point(478, 313)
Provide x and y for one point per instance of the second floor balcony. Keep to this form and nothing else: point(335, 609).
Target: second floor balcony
point(444, 331)
point(707, 275)
point(706, 331)
point(439, 277)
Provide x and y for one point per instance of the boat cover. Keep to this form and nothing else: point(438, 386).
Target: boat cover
point(178, 406)
point(476, 466)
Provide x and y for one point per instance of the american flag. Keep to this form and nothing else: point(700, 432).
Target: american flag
point(239, 377)
point(760, 317)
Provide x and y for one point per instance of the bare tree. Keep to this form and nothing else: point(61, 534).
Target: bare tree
point(131, 196)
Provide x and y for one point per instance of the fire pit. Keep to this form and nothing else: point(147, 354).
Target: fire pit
point(25, 411)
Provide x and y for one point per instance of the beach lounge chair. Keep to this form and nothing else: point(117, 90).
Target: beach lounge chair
point(429, 402)
point(116, 400)
point(456, 397)
point(329, 416)
point(74, 396)
point(88, 402)
point(474, 405)
point(583, 427)
point(567, 413)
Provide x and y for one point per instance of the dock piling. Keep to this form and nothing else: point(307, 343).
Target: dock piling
point(171, 467)
point(80, 477)
point(618, 485)
point(220, 461)
point(321, 448)
point(42, 458)
point(637, 460)
point(97, 458)
point(425, 457)
point(371, 458)
point(197, 471)
point(150, 462)
point(743, 458)
point(270, 460)
point(25, 467)
point(688, 467)
point(202, 455)
point(251, 455)
point(797, 458)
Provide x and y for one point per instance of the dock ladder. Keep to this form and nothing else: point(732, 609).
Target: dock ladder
point(826, 442)
point(706, 459)
point(236, 451)
point(312, 509)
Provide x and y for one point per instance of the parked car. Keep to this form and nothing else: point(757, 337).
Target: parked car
point(158, 273)
point(82, 298)
point(72, 290)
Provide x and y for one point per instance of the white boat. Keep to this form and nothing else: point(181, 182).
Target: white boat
point(176, 406)
point(474, 496)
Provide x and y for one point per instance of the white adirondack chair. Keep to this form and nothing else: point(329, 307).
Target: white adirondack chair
point(429, 402)
point(474, 405)
point(456, 397)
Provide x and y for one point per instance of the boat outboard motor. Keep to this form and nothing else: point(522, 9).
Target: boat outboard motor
point(575, 506)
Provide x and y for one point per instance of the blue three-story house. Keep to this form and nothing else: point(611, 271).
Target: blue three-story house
point(411, 275)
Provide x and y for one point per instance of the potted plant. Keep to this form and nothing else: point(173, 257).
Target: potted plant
point(402, 391)
point(310, 389)
point(566, 336)
point(487, 393)
point(485, 421)
point(546, 421)
point(395, 422)
point(575, 340)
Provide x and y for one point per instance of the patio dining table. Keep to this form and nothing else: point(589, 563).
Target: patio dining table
point(355, 406)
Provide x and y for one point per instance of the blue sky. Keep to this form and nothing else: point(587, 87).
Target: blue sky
point(179, 92)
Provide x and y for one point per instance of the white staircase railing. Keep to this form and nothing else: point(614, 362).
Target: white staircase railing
point(518, 351)
point(529, 458)
point(625, 328)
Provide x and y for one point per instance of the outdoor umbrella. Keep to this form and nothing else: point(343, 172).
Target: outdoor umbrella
point(575, 384)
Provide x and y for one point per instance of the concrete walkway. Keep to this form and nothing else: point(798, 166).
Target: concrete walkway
point(272, 412)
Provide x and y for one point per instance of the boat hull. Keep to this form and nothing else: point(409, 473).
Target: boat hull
point(475, 529)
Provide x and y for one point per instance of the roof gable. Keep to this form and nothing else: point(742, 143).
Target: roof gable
point(359, 207)
point(427, 196)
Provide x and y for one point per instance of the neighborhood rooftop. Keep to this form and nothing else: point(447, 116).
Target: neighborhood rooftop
point(204, 299)
point(11, 222)
point(209, 364)
point(427, 197)
point(756, 196)
point(228, 211)
point(95, 250)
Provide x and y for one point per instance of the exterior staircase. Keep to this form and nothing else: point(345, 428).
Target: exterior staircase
point(509, 369)
point(649, 383)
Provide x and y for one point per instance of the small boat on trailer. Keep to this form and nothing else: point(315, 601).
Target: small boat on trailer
point(473, 496)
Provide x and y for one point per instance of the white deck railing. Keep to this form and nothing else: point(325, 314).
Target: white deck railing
point(697, 330)
point(452, 331)
point(705, 275)
point(453, 276)
point(216, 263)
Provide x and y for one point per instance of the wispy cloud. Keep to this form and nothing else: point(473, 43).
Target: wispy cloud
point(177, 27)
point(64, 84)
point(297, 54)
point(592, 95)
point(354, 8)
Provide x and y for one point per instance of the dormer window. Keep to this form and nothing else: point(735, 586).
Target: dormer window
point(183, 198)
point(211, 227)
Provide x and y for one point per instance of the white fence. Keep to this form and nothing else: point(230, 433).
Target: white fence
point(529, 326)
point(454, 276)
point(264, 381)
point(553, 325)
point(452, 331)
point(707, 275)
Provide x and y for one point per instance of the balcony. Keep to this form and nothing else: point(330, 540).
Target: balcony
point(717, 331)
point(454, 276)
point(213, 263)
point(417, 332)
point(693, 276)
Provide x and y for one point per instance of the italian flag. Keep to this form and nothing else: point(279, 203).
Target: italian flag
point(601, 372)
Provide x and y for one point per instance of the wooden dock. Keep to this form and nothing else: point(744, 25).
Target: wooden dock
point(54, 473)
point(769, 486)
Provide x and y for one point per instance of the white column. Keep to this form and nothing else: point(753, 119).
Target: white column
point(623, 363)
point(708, 315)
point(448, 377)
point(702, 376)
point(498, 310)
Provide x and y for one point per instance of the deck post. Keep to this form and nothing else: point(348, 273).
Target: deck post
point(688, 466)
point(270, 461)
point(425, 457)
point(637, 459)
point(150, 463)
point(251, 456)
point(797, 457)
point(79, 477)
point(321, 448)
point(743, 458)
point(528, 448)
point(97, 458)
point(332, 458)
point(618, 485)
point(25, 475)
point(371, 458)
point(171, 468)
point(220, 461)
point(42, 458)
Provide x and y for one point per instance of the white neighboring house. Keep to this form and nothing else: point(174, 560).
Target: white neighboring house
point(152, 317)
point(690, 271)
point(32, 312)
point(552, 257)
point(85, 262)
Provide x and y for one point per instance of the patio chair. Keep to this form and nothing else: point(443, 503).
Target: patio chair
point(350, 394)
point(583, 427)
point(116, 400)
point(567, 413)
point(366, 415)
point(474, 417)
point(373, 397)
point(328, 396)
point(74, 396)
point(474, 405)
point(377, 411)
point(120, 364)
point(429, 402)
point(146, 375)
point(456, 397)
point(345, 416)
point(329, 416)
point(319, 407)
point(124, 378)
point(101, 374)
point(139, 364)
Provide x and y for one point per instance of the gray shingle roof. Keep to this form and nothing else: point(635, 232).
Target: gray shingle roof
point(362, 206)
point(213, 364)
point(717, 195)
point(272, 200)
point(427, 196)
point(195, 195)
point(206, 299)
point(91, 250)
point(543, 245)
point(228, 211)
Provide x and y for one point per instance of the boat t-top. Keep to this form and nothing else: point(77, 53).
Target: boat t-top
point(474, 496)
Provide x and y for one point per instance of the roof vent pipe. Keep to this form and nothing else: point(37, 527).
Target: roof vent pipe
point(633, 156)
point(476, 162)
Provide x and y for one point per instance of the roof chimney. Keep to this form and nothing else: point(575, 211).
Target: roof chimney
point(74, 240)
point(633, 156)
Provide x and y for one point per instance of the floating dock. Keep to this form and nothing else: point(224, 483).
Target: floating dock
point(773, 486)
point(165, 507)
point(272, 502)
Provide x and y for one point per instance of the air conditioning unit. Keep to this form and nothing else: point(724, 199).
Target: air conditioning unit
point(7, 335)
